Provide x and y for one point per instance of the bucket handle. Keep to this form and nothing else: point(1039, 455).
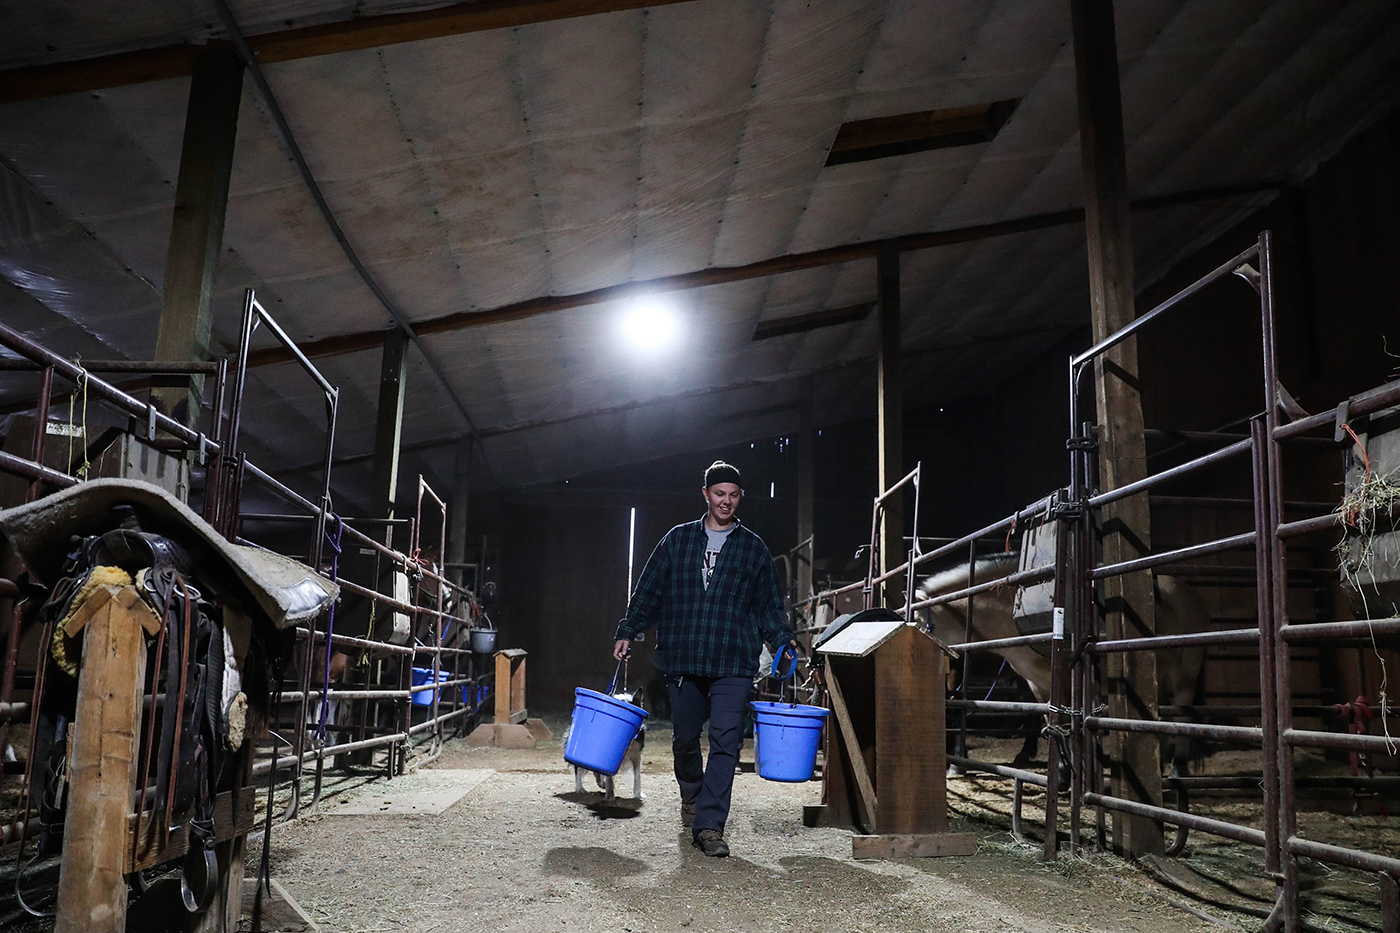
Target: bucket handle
point(790, 653)
point(787, 651)
point(621, 671)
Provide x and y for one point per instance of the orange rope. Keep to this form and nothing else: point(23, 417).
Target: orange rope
point(1352, 512)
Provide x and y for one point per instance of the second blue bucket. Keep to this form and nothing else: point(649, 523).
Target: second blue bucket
point(787, 736)
point(421, 677)
point(603, 727)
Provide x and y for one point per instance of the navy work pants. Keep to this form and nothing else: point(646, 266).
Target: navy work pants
point(722, 700)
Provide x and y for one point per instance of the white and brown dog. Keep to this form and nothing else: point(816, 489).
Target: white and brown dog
point(632, 758)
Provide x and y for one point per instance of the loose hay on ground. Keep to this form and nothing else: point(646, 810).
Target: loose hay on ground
point(524, 852)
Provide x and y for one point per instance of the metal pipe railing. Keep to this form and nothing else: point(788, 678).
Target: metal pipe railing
point(995, 644)
point(1234, 636)
point(1217, 546)
point(1020, 578)
point(1191, 466)
point(225, 497)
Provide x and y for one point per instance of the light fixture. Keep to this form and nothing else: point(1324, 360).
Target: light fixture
point(650, 323)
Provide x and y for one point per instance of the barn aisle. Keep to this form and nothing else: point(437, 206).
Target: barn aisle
point(520, 851)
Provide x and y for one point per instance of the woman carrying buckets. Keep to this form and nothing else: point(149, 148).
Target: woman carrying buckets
point(711, 590)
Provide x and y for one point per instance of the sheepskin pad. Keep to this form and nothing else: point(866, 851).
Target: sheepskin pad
point(289, 592)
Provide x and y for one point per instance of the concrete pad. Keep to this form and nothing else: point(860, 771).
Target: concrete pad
point(514, 736)
point(913, 845)
point(280, 911)
point(423, 793)
point(539, 730)
point(484, 734)
point(501, 735)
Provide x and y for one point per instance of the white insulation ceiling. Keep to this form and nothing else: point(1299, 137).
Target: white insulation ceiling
point(479, 170)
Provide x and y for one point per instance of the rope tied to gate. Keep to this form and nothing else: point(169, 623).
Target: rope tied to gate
point(1354, 505)
point(82, 383)
point(335, 546)
point(994, 681)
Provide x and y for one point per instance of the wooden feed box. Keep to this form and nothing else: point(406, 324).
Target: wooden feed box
point(511, 728)
point(510, 686)
point(885, 755)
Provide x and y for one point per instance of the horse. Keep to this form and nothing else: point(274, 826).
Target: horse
point(1179, 611)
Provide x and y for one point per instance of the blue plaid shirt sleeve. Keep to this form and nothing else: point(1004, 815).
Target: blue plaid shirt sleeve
point(644, 608)
point(714, 631)
point(772, 618)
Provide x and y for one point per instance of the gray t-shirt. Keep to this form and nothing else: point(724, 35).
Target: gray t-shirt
point(712, 549)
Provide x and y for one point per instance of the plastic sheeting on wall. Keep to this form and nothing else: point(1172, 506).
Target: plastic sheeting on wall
point(481, 170)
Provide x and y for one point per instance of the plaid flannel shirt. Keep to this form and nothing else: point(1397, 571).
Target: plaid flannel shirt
point(708, 632)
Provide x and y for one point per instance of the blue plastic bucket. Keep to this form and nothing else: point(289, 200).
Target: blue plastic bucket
point(424, 675)
point(786, 736)
point(603, 727)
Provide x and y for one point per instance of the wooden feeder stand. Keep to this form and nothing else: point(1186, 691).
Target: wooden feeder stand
point(510, 686)
point(512, 728)
point(885, 757)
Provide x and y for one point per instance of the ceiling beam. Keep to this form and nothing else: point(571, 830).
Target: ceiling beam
point(1057, 331)
point(721, 275)
point(801, 323)
point(363, 32)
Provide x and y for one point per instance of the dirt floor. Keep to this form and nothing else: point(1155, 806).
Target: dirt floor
point(521, 851)
point(496, 839)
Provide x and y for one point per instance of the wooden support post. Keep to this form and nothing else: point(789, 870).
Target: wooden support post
point(388, 427)
point(890, 417)
point(197, 229)
point(457, 514)
point(92, 890)
point(384, 487)
point(806, 481)
point(1132, 676)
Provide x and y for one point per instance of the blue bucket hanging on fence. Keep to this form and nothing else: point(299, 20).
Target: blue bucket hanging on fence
point(787, 735)
point(423, 676)
point(602, 729)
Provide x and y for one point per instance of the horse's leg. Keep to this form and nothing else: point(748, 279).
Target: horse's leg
point(1065, 775)
point(1032, 744)
point(1183, 750)
point(1188, 689)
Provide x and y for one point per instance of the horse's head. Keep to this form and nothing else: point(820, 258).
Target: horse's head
point(948, 621)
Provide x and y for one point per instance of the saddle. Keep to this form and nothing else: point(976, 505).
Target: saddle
point(190, 668)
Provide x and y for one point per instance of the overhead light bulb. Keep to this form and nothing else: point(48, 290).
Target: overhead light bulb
point(650, 323)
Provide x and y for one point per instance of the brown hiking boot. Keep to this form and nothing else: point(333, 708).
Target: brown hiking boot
point(711, 842)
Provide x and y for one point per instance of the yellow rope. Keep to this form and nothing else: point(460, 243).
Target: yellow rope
point(68, 463)
point(83, 470)
point(82, 381)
